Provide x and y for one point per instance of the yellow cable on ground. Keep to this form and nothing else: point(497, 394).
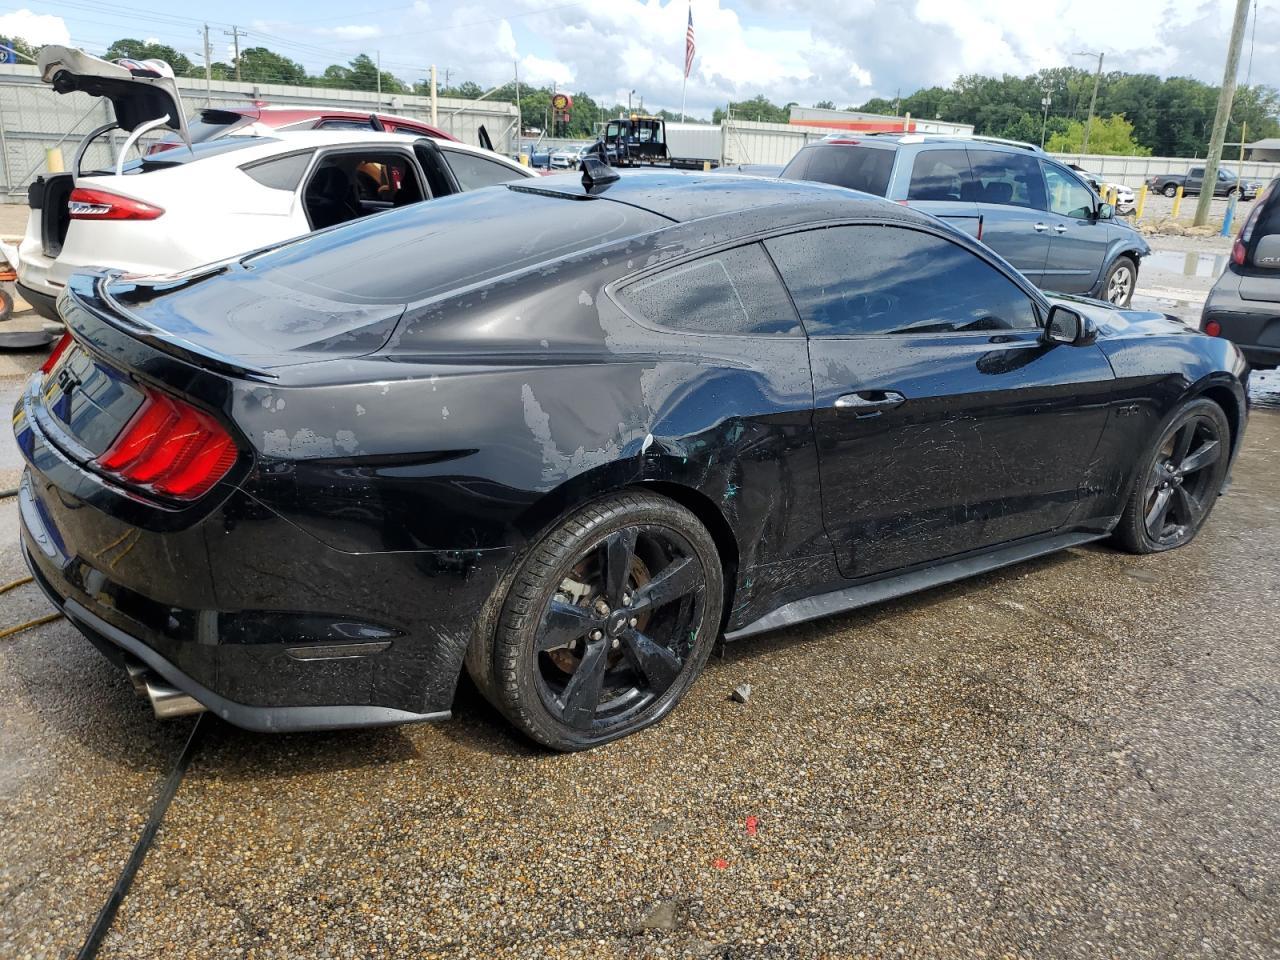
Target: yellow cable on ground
point(16, 583)
point(47, 618)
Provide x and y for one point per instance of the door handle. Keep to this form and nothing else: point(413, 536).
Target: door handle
point(870, 403)
point(1041, 227)
point(1059, 228)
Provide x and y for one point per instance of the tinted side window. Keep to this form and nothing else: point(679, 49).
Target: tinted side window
point(846, 165)
point(1012, 179)
point(941, 175)
point(281, 173)
point(1068, 197)
point(732, 292)
point(876, 280)
point(472, 172)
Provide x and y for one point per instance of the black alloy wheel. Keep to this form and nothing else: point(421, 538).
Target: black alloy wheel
point(607, 622)
point(1120, 282)
point(1179, 480)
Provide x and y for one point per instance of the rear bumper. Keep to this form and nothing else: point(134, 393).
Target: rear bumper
point(45, 304)
point(245, 611)
point(266, 719)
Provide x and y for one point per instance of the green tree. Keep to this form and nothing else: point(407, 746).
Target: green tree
point(360, 74)
point(260, 65)
point(26, 52)
point(1107, 135)
point(141, 50)
point(824, 105)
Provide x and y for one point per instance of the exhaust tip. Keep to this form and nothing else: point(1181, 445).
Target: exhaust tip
point(169, 702)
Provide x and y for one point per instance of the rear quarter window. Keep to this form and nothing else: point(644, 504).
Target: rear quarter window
point(280, 173)
point(731, 292)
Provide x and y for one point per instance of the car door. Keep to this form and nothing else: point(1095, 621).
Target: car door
point(1009, 190)
point(1194, 180)
point(1078, 240)
point(944, 423)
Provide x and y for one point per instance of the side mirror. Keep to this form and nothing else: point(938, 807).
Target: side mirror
point(1067, 326)
point(1106, 211)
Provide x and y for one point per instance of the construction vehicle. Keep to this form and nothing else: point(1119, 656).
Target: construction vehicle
point(644, 141)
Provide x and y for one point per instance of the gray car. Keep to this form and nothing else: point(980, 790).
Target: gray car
point(1038, 214)
point(1244, 305)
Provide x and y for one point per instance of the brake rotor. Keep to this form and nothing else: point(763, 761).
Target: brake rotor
point(582, 589)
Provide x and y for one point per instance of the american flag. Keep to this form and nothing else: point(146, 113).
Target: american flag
point(689, 47)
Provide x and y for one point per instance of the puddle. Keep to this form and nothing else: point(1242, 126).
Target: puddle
point(1264, 389)
point(1189, 264)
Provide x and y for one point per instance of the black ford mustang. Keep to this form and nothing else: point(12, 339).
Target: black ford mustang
point(569, 433)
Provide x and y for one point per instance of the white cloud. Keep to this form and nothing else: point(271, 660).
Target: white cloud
point(363, 31)
point(35, 28)
point(540, 71)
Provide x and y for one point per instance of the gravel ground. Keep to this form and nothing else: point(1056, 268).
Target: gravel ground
point(1077, 757)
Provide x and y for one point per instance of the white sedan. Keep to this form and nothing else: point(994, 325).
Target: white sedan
point(179, 208)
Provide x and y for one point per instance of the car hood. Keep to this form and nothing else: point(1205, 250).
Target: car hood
point(1116, 322)
point(139, 91)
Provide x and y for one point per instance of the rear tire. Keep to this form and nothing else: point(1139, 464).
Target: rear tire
point(1177, 480)
point(606, 622)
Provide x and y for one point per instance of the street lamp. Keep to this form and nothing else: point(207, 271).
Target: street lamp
point(630, 94)
point(1046, 101)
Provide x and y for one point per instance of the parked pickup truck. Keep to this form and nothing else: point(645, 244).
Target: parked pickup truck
point(1193, 180)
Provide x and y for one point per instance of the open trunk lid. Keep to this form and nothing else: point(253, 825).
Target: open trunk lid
point(139, 90)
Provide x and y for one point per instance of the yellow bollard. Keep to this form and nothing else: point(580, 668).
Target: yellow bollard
point(1142, 202)
point(1177, 203)
point(524, 159)
point(53, 160)
point(706, 166)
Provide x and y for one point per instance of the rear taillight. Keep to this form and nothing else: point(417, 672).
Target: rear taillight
point(170, 448)
point(1213, 328)
point(86, 204)
point(59, 349)
point(1237, 252)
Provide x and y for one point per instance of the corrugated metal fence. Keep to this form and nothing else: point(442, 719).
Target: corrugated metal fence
point(34, 118)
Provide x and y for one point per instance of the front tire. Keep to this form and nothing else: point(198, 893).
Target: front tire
point(607, 622)
point(1178, 479)
point(1120, 282)
point(1170, 190)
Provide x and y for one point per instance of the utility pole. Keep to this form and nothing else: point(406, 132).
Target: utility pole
point(1046, 101)
point(1220, 118)
point(378, 70)
point(1093, 100)
point(208, 69)
point(235, 33)
point(519, 114)
point(434, 121)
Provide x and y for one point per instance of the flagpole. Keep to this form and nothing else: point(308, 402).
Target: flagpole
point(682, 89)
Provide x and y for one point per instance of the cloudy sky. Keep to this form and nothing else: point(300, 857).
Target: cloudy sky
point(803, 50)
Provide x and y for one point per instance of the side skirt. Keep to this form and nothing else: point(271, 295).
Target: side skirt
point(877, 591)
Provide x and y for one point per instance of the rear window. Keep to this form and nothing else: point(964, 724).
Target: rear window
point(853, 166)
point(177, 154)
point(207, 125)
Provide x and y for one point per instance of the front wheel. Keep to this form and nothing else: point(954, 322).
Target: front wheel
point(607, 622)
point(1170, 190)
point(1178, 480)
point(1120, 282)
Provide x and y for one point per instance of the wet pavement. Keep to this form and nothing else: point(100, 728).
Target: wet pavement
point(1076, 757)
